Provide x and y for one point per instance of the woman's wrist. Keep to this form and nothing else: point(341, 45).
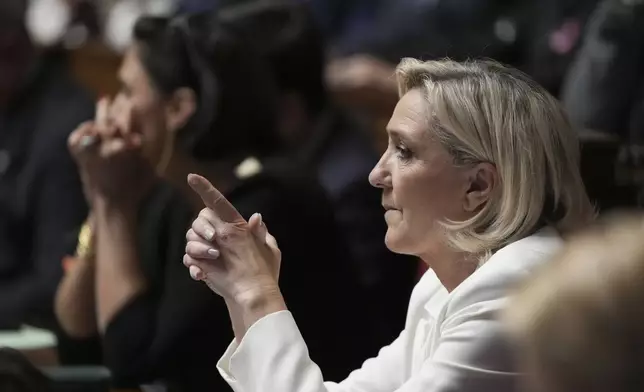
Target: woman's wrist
point(258, 297)
point(103, 207)
point(255, 303)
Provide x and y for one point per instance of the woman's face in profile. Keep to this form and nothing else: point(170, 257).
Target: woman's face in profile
point(420, 184)
point(148, 108)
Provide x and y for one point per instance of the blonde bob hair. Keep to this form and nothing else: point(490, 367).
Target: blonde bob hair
point(482, 111)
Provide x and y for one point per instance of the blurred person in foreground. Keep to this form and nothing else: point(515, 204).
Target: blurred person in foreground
point(194, 97)
point(322, 138)
point(480, 180)
point(579, 322)
point(41, 200)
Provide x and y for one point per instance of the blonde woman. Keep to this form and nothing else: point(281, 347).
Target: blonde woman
point(580, 320)
point(480, 180)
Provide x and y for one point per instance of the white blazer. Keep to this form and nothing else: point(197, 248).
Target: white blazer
point(451, 341)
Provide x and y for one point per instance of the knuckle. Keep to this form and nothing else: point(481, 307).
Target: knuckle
point(208, 214)
point(190, 248)
point(224, 236)
point(195, 249)
point(197, 224)
point(191, 235)
point(187, 260)
point(228, 234)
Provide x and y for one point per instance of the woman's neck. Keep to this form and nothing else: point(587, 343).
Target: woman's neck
point(221, 174)
point(451, 267)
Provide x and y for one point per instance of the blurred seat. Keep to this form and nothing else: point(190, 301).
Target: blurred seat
point(79, 379)
point(37, 345)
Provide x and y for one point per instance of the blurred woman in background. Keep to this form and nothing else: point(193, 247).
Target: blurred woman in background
point(193, 97)
point(579, 322)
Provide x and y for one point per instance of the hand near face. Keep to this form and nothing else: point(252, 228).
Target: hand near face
point(233, 257)
point(109, 157)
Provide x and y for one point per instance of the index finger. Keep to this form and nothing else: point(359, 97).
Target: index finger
point(213, 199)
point(102, 112)
point(122, 114)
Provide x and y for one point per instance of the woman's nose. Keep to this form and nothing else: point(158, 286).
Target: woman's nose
point(379, 176)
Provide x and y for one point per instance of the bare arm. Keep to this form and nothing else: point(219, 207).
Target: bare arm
point(74, 303)
point(75, 300)
point(119, 278)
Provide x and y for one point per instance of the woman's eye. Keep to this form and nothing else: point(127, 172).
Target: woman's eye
point(403, 152)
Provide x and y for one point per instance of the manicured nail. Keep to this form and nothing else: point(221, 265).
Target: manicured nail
point(195, 272)
point(261, 220)
point(210, 234)
point(213, 252)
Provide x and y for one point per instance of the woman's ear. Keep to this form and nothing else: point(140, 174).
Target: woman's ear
point(483, 180)
point(180, 108)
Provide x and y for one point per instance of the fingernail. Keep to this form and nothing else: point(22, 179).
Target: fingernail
point(210, 234)
point(192, 179)
point(195, 272)
point(213, 252)
point(261, 220)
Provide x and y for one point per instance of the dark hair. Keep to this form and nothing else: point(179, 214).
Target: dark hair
point(17, 374)
point(290, 42)
point(236, 112)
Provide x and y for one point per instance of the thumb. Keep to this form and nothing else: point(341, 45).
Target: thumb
point(257, 227)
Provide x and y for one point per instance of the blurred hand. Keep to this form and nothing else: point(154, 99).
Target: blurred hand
point(363, 81)
point(110, 159)
point(235, 258)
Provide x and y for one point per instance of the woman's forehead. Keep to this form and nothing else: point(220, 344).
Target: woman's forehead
point(411, 115)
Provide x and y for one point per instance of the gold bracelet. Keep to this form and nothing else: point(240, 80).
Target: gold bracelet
point(85, 246)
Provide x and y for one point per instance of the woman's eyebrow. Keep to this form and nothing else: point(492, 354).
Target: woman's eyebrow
point(395, 132)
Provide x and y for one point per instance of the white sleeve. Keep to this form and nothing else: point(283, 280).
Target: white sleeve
point(473, 355)
point(273, 356)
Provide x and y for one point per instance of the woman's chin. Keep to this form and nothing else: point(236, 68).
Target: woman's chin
point(394, 242)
